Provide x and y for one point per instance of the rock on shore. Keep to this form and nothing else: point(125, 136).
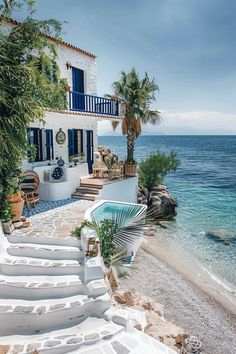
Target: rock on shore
point(147, 316)
point(224, 236)
point(159, 201)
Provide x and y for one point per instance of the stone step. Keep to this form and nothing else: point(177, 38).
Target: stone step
point(85, 196)
point(42, 251)
point(36, 266)
point(31, 266)
point(89, 190)
point(39, 287)
point(93, 269)
point(41, 239)
point(93, 332)
point(91, 185)
point(97, 287)
point(30, 317)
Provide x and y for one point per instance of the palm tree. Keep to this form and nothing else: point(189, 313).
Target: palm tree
point(136, 96)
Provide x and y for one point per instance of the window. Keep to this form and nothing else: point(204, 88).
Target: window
point(43, 141)
point(75, 142)
point(35, 138)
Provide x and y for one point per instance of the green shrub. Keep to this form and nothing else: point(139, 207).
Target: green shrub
point(153, 169)
point(106, 231)
point(77, 231)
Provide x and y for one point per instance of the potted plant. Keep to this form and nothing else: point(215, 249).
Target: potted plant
point(130, 167)
point(11, 199)
point(6, 217)
point(82, 157)
point(75, 160)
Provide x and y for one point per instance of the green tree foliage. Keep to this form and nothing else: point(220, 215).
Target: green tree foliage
point(136, 94)
point(153, 169)
point(29, 83)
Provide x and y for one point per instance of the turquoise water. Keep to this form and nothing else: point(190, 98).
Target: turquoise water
point(205, 188)
point(109, 210)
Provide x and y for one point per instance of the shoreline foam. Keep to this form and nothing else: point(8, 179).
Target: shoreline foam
point(192, 270)
point(185, 304)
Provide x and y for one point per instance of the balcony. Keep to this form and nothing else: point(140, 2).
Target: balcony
point(82, 102)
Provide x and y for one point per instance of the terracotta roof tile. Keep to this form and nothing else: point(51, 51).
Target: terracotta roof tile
point(56, 40)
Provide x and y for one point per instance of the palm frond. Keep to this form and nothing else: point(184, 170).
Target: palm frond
point(114, 124)
point(152, 117)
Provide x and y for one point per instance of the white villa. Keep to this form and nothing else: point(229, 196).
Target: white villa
point(72, 132)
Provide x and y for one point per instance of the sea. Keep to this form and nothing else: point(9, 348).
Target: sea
point(205, 188)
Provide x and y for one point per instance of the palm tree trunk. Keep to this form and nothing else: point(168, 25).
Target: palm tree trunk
point(130, 142)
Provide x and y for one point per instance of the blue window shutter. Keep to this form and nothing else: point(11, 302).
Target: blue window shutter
point(81, 141)
point(89, 134)
point(71, 142)
point(49, 144)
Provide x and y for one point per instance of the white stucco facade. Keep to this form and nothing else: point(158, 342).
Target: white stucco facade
point(80, 61)
point(123, 191)
point(69, 134)
point(65, 121)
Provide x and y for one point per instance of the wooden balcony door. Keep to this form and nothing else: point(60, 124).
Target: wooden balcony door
point(78, 102)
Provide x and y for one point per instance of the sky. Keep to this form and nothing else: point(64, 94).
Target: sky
point(189, 46)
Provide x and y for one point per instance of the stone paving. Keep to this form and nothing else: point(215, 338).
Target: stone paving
point(56, 223)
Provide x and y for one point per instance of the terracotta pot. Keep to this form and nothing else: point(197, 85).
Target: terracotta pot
point(16, 197)
point(16, 209)
point(130, 170)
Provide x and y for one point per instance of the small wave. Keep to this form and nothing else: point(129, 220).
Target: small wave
point(223, 186)
point(219, 281)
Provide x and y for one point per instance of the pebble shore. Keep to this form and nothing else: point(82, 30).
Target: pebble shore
point(185, 305)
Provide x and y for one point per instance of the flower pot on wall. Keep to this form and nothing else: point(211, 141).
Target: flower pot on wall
point(130, 170)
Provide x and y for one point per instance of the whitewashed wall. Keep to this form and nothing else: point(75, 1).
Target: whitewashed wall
point(75, 58)
point(123, 191)
point(80, 61)
point(67, 121)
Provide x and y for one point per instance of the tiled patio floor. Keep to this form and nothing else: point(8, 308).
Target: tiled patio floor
point(57, 222)
point(44, 205)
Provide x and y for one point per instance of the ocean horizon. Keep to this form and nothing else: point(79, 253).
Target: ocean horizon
point(205, 188)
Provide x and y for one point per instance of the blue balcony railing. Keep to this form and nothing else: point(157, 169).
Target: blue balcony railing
point(92, 104)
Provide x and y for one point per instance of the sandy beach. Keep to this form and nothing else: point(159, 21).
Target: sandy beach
point(187, 304)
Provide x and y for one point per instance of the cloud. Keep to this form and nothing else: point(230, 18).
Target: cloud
point(206, 122)
point(184, 123)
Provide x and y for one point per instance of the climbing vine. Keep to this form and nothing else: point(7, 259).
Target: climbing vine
point(29, 83)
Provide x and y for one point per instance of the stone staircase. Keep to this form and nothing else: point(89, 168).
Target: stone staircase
point(88, 190)
point(54, 300)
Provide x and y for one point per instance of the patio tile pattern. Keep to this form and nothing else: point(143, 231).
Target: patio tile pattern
point(56, 223)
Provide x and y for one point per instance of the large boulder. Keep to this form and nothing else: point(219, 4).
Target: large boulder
point(159, 201)
point(143, 195)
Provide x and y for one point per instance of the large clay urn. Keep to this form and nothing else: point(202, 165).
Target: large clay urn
point(17, 204)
